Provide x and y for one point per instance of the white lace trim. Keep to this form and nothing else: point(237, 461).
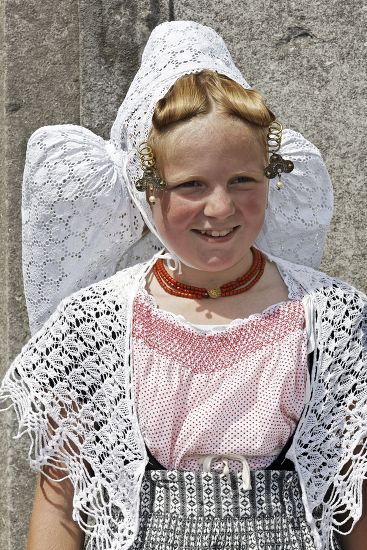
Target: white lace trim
point(180, 319)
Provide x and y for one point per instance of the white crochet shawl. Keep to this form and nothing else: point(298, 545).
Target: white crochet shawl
point(75, 375)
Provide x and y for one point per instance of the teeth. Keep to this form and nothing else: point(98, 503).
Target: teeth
point(217, 233)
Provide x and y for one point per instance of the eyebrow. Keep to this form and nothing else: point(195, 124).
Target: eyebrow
point(183, 180)
point(200, 178)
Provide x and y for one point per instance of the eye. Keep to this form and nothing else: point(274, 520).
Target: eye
point(242, 179)
point(188, 184)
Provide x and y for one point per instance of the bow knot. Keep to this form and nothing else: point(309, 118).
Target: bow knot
point(118, 156)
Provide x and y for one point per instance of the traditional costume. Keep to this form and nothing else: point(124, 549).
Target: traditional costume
point(105, 375)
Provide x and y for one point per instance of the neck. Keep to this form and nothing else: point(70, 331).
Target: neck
point(212, 279)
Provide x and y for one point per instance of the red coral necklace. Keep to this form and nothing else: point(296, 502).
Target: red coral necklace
point(242, 284)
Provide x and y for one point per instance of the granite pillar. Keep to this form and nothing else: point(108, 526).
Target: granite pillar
point(40, 47)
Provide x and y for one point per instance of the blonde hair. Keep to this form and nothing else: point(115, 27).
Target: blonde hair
point(196, 94)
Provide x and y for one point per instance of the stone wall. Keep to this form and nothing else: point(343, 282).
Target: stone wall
point(70, 61)
point(40, 86)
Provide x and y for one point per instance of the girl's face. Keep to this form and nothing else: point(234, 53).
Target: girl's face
point(214, 205)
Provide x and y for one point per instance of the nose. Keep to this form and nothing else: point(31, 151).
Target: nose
point(219, 203)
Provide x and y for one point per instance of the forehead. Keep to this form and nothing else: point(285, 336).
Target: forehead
point(216, 139)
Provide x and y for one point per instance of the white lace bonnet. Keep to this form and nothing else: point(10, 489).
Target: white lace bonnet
point(82, 212)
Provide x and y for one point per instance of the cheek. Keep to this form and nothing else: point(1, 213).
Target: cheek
point(253, 205)
point(172, 213)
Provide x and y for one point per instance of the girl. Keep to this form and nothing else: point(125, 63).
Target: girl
point(212, 396)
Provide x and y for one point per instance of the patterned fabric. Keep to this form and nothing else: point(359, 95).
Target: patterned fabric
point(76, 373)
point(77, 218)
point(240, 390)
point(82, 212)
point(208, 511)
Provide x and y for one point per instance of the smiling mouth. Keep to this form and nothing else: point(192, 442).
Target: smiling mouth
point(215, 233)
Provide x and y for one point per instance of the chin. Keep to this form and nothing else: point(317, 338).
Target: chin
point(212, 265)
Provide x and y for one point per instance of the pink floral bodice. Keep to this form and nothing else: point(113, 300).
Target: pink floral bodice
point(237, 389)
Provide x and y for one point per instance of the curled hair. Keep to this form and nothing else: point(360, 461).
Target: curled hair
point(197, 94)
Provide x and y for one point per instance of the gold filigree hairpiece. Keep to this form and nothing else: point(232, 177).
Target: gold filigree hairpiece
point(150, 181)
point(277, 165)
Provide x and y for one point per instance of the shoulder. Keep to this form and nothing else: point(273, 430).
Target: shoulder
point(92, 304)
point(83, 320)
point(117, 288)
point(320, 286)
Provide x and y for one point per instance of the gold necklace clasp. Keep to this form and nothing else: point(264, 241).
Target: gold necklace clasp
point(214, 292)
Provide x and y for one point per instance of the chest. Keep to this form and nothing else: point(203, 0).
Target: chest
point(221, 311)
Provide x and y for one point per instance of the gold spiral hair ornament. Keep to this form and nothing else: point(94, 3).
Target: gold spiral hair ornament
point(150, 181)
point(277, 165)
point(147, 160)
point(274, 136)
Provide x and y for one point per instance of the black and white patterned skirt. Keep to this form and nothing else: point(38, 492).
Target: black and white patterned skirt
point(211, 511)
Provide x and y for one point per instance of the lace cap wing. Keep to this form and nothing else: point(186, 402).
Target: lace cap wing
point(298, 217)
point(78, 218)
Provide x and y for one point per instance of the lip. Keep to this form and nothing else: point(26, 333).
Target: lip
point(208, 239)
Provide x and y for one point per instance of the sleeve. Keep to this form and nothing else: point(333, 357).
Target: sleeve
point(45, 385)
point(77, 216)
point(330, 445)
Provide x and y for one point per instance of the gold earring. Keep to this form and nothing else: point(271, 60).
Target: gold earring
point(277, 164)
point(150, 180)
point(151, 198)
